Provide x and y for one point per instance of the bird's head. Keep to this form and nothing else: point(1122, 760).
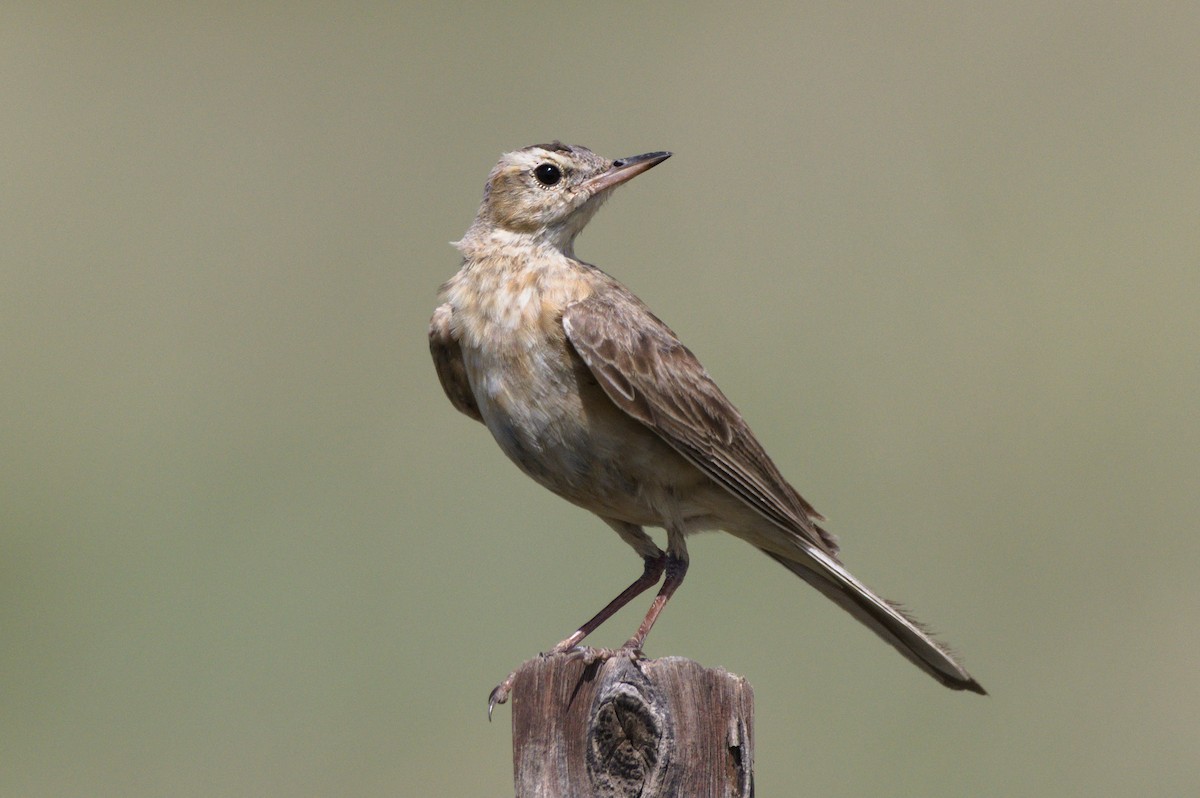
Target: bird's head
point(551, 191)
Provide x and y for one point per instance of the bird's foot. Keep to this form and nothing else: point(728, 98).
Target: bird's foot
point(591, 656)
point(588, 655)
point(499, 694)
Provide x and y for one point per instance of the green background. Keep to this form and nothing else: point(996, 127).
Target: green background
point(944, 257)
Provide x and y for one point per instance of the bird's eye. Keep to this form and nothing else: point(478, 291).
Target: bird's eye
point(547, 174)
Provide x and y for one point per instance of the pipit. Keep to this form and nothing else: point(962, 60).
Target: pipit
point(595, 398)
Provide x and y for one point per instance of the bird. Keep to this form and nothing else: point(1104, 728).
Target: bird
point(595, 398)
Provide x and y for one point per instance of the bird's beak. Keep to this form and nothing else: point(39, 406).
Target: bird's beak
point(624, 169)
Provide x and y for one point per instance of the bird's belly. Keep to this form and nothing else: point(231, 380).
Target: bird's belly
point(550, 417)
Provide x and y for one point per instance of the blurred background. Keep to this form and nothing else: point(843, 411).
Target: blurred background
point(945, 259)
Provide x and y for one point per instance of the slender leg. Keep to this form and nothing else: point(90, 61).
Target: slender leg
point(676, 570)
point(648, 579)
point(655, 565)
point(674, 562)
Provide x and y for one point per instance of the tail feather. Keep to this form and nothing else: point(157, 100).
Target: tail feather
point(886, 619)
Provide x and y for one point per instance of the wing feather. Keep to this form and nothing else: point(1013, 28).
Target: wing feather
point(447, 359)
point(647, 372)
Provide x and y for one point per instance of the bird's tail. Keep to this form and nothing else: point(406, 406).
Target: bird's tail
point(886, 619)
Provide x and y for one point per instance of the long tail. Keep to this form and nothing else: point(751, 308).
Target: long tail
point(884, 618)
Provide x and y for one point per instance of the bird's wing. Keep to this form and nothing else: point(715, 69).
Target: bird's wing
point(654, 378)
point(447, 359)
point(647, 372)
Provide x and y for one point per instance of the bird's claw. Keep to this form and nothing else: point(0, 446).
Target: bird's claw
point(585, 654)
point(499, 694)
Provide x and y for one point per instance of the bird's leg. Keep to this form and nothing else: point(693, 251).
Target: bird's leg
point(655, 565)
point(649, 578)
point(676, 567)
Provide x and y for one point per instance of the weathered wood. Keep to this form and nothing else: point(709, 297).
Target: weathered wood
point(648, 728)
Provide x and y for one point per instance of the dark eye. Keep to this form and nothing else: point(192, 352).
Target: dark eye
point(547, 174)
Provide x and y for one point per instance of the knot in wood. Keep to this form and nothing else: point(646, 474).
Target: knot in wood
point(626, 751)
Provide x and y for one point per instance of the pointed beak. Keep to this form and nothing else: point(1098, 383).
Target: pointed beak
point(624, 169)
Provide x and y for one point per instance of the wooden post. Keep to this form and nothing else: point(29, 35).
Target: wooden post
point(650, 728)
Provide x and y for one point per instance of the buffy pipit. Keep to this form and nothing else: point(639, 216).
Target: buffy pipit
point(592, 396)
